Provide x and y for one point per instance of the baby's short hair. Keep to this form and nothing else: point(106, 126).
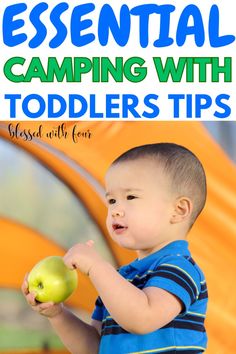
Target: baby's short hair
point(184, 169)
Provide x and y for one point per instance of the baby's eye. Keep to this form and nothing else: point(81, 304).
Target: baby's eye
point(130, 197)
point(111, 201)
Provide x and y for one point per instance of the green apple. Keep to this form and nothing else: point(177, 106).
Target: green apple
point(51, 280)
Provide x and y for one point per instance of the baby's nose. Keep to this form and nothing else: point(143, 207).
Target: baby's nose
point(116, 213)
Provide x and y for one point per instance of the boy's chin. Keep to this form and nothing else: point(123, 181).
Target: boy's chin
point(124, 243)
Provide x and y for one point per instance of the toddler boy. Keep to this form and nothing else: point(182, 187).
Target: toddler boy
point(157, 303)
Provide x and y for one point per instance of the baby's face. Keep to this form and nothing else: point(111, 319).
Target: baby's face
point(140, 205)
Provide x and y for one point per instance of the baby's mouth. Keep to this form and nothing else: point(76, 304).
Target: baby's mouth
point(117, 226)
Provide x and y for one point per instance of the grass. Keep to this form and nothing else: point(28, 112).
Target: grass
point(16, 338)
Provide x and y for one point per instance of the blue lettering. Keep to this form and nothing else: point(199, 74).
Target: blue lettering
point(176, 100)
point(39, 26)
point(107, 21)
point(58, 24)
point(109, 24)
point(26, 102)
point(9, 25)
point(183, 30)
point(62, 106)
point(202, 102)
point(110, 105)
point(93, 113)
point(83, 109)
point(215, 40)
point(189, 104)
point(154, 108)
point(144, 12)
point(129, 103)
point(164, 40)
point(77, 25)
point(226, 109)
point(12, 99)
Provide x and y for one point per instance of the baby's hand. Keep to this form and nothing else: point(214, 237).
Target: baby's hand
point(48, 309)
point(82, 256)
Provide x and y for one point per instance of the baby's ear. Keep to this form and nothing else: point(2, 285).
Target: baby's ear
point(183, 208)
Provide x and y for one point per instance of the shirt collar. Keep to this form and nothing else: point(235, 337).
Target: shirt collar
point(179, 247)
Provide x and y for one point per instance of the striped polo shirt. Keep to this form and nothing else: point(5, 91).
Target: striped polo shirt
point(172, 269)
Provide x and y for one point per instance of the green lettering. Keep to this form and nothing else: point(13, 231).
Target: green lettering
point(35, 70)
point(139, 73)
point(169, 69)
point(202, 64)
point(226, 69)
point(96, 69)
point(116, 71)
point(10, 63)
point(59, 72)
point(82, 65)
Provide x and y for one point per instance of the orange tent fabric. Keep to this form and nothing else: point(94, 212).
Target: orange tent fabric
point(82, 166)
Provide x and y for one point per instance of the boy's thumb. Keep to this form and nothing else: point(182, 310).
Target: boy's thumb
point(90, 243)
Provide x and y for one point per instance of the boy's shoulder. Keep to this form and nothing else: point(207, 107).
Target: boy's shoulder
point(177, 268)
point(172, 262)
point(183, 263)
point(175, 258)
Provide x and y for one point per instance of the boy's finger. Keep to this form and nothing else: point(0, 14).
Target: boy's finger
point(69, 262)
point(45, 305)
point(30, 297)
point(24, 286)
point(90, 243)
